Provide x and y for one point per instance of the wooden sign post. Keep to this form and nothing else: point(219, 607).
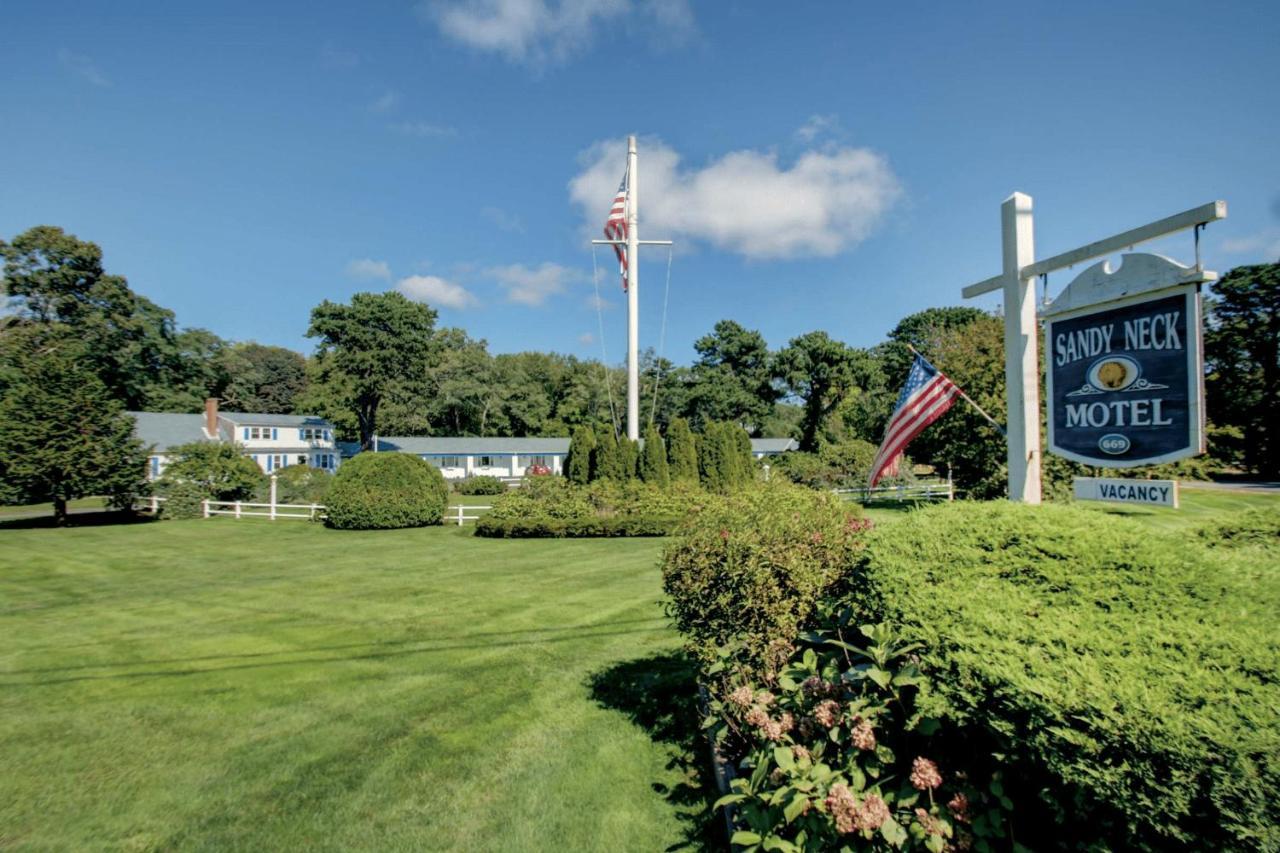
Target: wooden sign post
point(1021, 332)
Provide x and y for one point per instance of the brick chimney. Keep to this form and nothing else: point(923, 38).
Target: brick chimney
point(211, 416)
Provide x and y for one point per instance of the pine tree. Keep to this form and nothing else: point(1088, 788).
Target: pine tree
point(746, 460)
point(63, 436)
point(710, 465)
point(578, 464)
point(606, 461)
point(653, 459)
point(682, 452)
point(629, 458)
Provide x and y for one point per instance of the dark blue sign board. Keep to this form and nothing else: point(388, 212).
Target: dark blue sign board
point(1125, 381)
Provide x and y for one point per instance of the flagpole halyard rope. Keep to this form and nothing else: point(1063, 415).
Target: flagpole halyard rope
point(662, 339)
point(604, 356)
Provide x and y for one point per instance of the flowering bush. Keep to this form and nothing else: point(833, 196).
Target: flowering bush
point(838, 755)
point(752, 565)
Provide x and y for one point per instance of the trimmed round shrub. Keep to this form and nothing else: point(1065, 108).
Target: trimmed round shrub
point(480, 486)
point(753, 565)
point(182, 499)
point(378, 491)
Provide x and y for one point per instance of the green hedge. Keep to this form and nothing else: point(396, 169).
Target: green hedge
point(753, 565)
point(480, 486)
point(556, 507)
point(385, 490)
point(1137, 674)
point(535, 528)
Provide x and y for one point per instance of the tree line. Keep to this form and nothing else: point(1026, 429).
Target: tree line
point(382, 364)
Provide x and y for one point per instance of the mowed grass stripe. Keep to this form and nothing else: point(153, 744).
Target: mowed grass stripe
point(248, 685)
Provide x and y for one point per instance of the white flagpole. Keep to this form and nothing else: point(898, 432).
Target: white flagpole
point(633, 296)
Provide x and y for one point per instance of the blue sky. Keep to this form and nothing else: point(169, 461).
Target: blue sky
point(821, 165)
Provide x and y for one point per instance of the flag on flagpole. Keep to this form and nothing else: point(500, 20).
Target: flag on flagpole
point(925, 397)
point(615, 227)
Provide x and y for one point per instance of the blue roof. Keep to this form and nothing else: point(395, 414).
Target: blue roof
point(163, 430)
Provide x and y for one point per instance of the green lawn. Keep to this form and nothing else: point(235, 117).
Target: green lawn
point(244, 684)
point(28, 509)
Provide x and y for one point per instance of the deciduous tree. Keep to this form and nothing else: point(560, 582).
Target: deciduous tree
point(1242, 347)
point(368, 347)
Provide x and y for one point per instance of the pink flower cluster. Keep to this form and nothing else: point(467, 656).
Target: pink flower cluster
point(742, 697)
point(852, 816)
point(925, 774)
point(769, 727)
point(959, 807)
point(930, 824)
point(863, 735)
point(827, 713)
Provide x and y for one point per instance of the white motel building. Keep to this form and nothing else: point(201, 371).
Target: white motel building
point(278, 441)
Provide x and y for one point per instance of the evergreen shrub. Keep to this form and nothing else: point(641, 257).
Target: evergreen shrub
point(480, 486)
point(752, 565)
point(583, 527)
point(1133, 679)
point(296, 484)
point(182, 499)
point(552, 506)
point(386, 490)
point(1255, 527)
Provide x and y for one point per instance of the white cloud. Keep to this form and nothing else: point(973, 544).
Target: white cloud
point(599, 302)
point(747, 201)
point(424, 129)
point(435, 291)
point(1264, 245)
point(586, 339)
point(85, 67)
point(533, 285)
point(384, 103)
point(541, 31)
point(816, 126)
point(367, 269)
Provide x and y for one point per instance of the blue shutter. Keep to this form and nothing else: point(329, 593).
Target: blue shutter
point(273, 433)
point(246, 433)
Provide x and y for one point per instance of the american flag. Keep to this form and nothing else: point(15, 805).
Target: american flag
point(925, 398)
point(615, 227)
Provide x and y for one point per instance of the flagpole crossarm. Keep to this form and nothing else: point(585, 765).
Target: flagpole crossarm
point(638, 243)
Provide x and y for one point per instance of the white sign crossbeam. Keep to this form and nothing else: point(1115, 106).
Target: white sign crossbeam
point(1201, 215)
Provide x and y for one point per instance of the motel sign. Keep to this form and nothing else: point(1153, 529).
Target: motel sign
point(1123, 349)
point(1123, 353)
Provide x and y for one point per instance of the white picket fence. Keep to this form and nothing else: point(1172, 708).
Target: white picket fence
point(247, 509)
point(241, 509)
point(457, 514)
point(918, 492)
